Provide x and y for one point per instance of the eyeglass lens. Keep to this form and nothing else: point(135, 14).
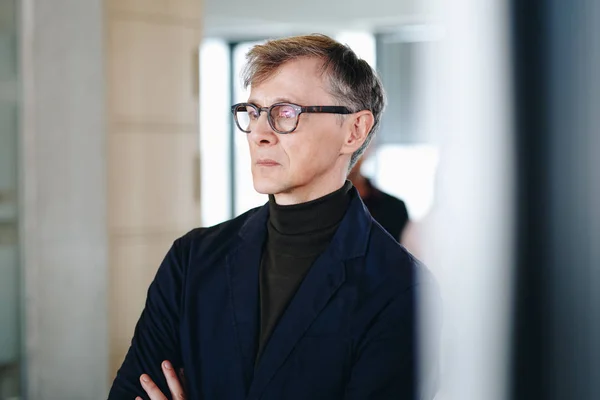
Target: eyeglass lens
point(282, 117)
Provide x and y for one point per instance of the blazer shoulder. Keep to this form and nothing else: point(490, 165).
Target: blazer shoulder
point(214, 237)
point(392, 261)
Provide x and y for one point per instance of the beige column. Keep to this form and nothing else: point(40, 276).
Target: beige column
point(153, 167)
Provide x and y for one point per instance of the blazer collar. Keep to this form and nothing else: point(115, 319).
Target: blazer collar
point(350, 240)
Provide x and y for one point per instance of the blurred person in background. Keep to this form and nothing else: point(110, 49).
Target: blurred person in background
point(304, 297)
point(386, 209)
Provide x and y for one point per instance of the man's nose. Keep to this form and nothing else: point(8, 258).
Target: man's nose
point(262, 133)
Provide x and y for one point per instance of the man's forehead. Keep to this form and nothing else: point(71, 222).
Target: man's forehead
point(296, 81)
point(264, 97)
point(299, 69)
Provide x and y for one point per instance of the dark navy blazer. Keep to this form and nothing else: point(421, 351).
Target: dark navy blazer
point(348, 333)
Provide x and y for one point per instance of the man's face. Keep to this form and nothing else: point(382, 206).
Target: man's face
point(306, 163)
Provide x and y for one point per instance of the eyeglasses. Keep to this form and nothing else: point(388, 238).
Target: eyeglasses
point(282, 117)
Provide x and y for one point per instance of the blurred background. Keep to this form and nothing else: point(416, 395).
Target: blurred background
point(116, 138)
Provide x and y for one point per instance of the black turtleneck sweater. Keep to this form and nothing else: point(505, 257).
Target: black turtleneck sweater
point(297, 235)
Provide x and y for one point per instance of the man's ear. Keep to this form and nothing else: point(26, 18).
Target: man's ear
point(358, 127)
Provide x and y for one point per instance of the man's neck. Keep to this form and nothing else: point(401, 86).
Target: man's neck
point(361, 184)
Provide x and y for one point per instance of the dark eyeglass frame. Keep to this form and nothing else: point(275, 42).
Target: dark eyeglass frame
point(299, 110)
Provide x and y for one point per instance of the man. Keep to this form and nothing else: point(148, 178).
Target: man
point(305, 297)
point(388, 210)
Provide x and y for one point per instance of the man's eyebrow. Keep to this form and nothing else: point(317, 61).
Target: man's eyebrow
point(276, 100)
point(283, 100)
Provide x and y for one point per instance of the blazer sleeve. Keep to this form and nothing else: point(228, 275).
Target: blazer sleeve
point(156, 335)
point(388, 362)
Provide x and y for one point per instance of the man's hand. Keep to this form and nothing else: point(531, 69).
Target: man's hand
point(174, 382)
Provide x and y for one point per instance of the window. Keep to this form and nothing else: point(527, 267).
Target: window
point(215, 126)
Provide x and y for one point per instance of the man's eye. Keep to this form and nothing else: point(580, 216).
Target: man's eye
point(252, 114)
point(286, 112)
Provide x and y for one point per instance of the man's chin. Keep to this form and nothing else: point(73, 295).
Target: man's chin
point(266, 186)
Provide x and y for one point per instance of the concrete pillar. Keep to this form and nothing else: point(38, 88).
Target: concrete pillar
point(109, 176)
point(63, 198)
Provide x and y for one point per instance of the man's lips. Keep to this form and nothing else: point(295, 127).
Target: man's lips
point(266, 162)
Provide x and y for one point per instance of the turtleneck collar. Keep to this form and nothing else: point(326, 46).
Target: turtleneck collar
point(304, 218)
point(307, 227)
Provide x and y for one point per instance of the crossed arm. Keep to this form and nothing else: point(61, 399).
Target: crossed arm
point(385, 368)
point(156, 335)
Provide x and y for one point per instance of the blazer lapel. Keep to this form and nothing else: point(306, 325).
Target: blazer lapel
point(319, 285)
point(243, 264)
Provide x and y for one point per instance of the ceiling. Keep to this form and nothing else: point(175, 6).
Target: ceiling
point(236, 19)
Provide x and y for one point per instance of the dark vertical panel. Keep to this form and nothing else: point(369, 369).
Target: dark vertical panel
point(531, 278)
point(575, 123)
point(557, 311)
